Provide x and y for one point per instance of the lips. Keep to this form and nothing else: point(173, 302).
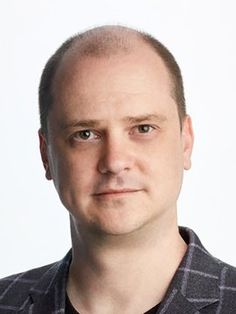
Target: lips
point(115, 192)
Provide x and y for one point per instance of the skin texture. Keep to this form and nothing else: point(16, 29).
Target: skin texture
point(116, 155)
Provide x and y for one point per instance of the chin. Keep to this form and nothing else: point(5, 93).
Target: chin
point(115, 226)
point(118, 217)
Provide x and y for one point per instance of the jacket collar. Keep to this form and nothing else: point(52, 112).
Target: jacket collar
point(194, 286)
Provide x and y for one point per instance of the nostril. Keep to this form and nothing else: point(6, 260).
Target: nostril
point(112, 168)
point(113, 164)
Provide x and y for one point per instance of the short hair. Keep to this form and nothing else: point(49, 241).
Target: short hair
point(105, 41)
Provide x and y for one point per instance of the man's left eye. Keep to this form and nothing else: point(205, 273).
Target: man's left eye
point(145, 128)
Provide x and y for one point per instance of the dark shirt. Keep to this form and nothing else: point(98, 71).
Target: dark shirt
point(71, 310)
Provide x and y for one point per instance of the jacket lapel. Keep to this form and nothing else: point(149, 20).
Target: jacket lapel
point(176, 303)
point(195, 284)
point(48, 295)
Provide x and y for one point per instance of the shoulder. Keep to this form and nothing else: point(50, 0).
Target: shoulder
point(227, 272)
point(20, 290)
point(15, 288)
point(200, 257)
point(226, 287)
point(205, 280)
point(227, 277)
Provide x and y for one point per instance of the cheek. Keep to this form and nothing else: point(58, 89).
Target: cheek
point(72, 172)
point(165, 164)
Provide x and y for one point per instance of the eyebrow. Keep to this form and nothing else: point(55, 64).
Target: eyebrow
point(146, 117)
point(92, 123)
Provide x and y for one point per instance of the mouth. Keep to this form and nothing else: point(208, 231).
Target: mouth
point(116, 192)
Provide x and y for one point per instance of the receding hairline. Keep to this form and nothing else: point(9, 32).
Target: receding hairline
point(107, 41)
point(104, 42)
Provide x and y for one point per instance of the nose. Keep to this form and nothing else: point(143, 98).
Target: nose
point(116, 157)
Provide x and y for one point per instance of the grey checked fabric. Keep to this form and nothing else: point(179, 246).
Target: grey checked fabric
point(201, 284)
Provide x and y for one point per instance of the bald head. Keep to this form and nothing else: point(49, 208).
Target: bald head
point(105, 42)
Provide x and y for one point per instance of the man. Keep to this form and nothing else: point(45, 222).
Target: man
point(115, 139)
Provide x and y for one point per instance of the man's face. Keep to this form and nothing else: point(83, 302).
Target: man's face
point(114, 149)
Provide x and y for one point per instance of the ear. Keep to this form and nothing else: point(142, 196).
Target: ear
point(187, 139)
point(44, 154)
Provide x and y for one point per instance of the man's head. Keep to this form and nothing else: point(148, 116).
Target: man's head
point(113, 143)
point(107, 41)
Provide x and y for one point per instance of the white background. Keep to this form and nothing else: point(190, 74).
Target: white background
point(34, 227)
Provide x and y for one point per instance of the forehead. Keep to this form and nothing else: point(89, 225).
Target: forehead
point(123, 80)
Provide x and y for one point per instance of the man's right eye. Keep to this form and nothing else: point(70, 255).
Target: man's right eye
point(85, 135)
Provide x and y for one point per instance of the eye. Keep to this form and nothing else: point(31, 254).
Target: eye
point(145, 128)
point(85, 135)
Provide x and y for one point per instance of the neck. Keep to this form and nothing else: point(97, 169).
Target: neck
point(112, 268)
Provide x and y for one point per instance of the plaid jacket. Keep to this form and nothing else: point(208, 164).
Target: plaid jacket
point(201, 284)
